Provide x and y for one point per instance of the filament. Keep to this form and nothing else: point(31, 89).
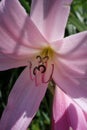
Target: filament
point(43, 81)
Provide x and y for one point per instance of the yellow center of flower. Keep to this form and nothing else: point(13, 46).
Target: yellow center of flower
point(47, 51)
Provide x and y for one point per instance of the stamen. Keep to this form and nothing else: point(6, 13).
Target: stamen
point(39, 58)
point(43, 81)
point(40, 68)
point(45, 59)
point(30, 66)
point(42, 60)
point(31, 77)
point(36, 83)
point(37, 73)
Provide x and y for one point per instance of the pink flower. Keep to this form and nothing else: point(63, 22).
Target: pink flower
point(37, 42)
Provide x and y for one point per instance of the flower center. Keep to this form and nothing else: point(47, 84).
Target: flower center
point(42, 69)
point(47, 51)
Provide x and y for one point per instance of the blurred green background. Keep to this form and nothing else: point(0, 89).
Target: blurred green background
point(77, 22)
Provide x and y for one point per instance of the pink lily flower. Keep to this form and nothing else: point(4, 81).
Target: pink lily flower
point(38, 43)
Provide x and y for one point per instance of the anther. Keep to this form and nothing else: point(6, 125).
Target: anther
point(45, 59)
point(40, 68)
point(39, 58)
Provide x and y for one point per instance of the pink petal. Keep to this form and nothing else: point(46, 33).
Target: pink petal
point(50, 16)
point(16, 24)
point(66, 114)
point(19, 37)
point(73, 44)
point(23, 103)
point(7, 62)
point(70, 71)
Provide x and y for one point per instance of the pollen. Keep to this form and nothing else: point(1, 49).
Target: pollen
point(47, 51)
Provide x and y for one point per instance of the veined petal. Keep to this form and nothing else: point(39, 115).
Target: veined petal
point(23, 103)
point(73, 45)
point(73, 82)
point(67, 115)
point(15, 22)
point(19, 37)
point(70, 71)
point(7, 62)
point(50, 16)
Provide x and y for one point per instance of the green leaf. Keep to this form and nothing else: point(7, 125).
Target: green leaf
point(25, 4)
point(77, 23)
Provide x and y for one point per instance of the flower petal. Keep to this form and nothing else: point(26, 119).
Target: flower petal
point(70, 71)
point(7, 62)
point(74, 43)
point(50, 16)
point(17, 23)
point(66, 114)
point(19, 37)
point(23, 103)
